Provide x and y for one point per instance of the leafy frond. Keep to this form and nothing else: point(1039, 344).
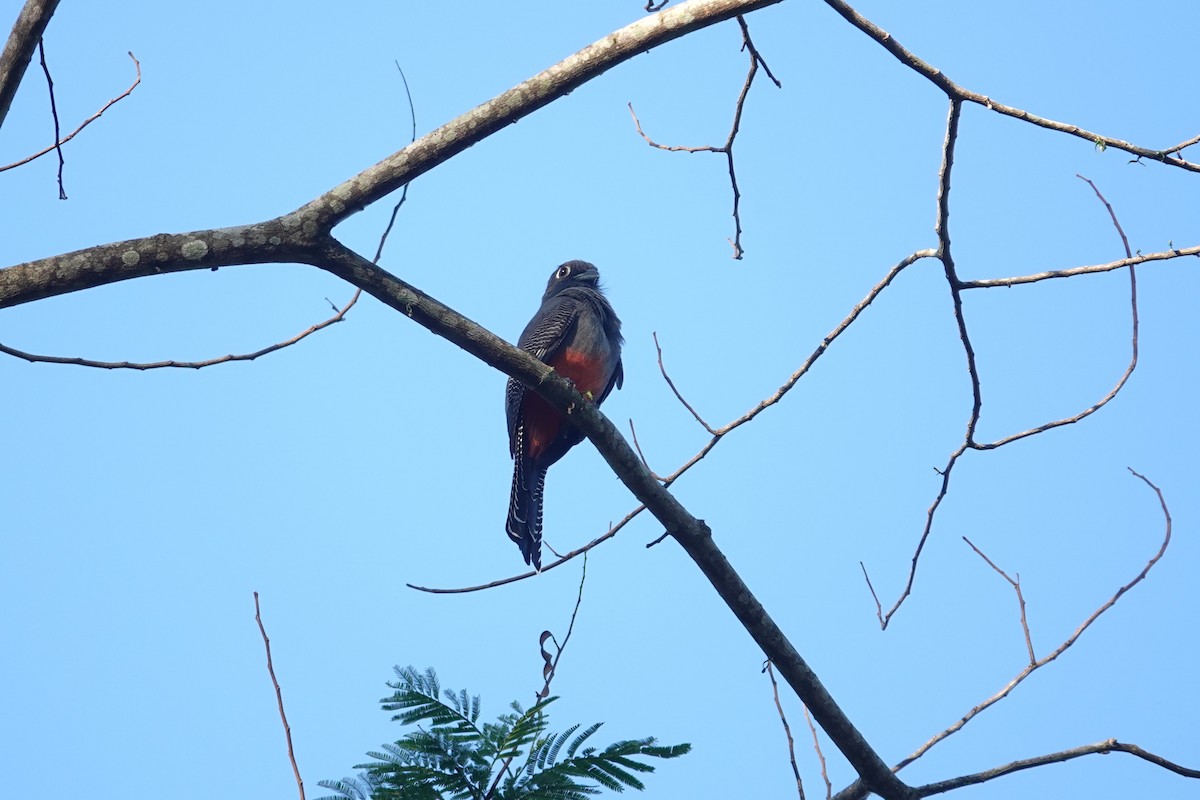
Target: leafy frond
point(454, 757)
point(547, 754)
point(582, 738)
point(418, 698)
point(611, 768)
point(350, 788)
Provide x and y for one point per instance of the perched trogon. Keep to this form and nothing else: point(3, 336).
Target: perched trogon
point(577, 333)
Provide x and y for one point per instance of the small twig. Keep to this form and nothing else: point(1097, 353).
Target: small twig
point(612, 531)
point(58, 143)
point(1133, 358)
point(874, 596)
point(748, 45)
point(651, 6)
point(1090, 269)
point(659, 540)
point(549, 668)
point(1016, 584)
point(1182, 145)
point(1109, 746)
point(942, 229)
point(671, 383)
point(62, 194)
point(86, 362)
point(787, 730)
point(756, 59)
point(637, 446)
point(820, 755)
point(287, 729)
point(1062, 648)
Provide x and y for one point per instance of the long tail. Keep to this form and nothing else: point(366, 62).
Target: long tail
point(525, 510)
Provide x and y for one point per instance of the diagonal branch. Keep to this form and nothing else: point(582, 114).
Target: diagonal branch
point(956, 92)
point(692, 534)
point(287, 729)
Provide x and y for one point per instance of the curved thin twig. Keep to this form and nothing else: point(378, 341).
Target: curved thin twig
point(60, 142)
point(287, 729)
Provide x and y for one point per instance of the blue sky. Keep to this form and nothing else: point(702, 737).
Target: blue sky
point(143, 509)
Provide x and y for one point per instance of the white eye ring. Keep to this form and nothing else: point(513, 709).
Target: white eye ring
point(563, 272)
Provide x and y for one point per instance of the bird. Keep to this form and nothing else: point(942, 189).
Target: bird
point(576, 332)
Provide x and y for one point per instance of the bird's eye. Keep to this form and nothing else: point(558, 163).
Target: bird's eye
point(563, 272)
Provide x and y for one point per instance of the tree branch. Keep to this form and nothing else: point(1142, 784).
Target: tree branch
point(956, 92)
point(1109, 746)
point(287, 729)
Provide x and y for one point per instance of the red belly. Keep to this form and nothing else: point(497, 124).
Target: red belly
point(542, 422)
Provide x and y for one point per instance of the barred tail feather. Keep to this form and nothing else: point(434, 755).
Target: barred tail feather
point(525, 510)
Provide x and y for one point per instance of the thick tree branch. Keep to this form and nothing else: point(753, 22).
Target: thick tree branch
point(18, 49)
point(281, 240)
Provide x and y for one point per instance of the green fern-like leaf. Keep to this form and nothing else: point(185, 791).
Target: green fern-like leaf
point(453, 756)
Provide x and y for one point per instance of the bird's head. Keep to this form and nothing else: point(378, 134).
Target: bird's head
point(572, 273)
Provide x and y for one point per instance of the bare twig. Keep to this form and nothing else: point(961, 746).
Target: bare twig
point(1182, 145)
point(969, 442)
point(549, 668)
point(1016, 584)
point(1092, 269)
point(287, 729)
point(86, 362)
point(1109, 746)
point(954, 91)
point(58, 143)
point(787, 730)
point(942, 229)
point(820, 755)
point(1062, 648)
point(637, 446)
point(756, 59)
point(671, 383)
point(612, 531)
point(1133, 358)
point(62, 194)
